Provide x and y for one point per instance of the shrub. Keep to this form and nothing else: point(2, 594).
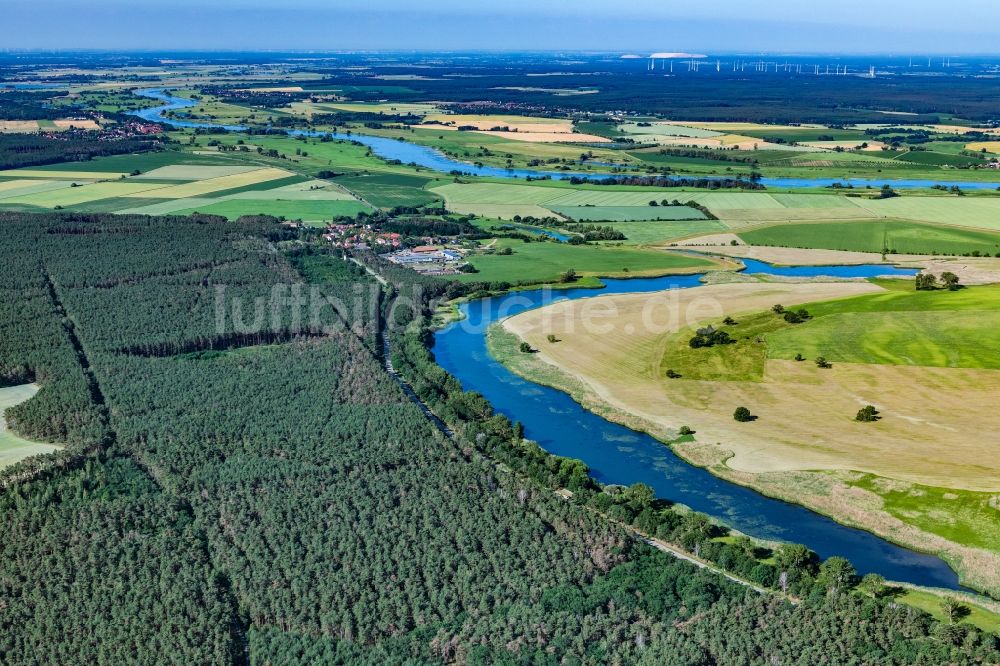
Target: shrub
point(821, 362)
point(797, 316)
point(743, 415)
point(867, 414)
point(526, 348)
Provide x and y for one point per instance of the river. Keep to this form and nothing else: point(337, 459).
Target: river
point(408, 152)
point(616, 454)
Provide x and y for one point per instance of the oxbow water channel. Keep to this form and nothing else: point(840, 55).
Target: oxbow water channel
point(408, 152)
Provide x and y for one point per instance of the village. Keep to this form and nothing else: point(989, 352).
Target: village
point(431, 257)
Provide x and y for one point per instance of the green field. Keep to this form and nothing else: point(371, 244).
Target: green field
point(628, 213)
point(292, 210)
point(12, 447)
point(545, 262)
point(962, 516)
point(657, 232)
point(931, 603)
point(948, 329)
point(742, 360)
point(388, 190)
point(875, 236)
point(980, 212)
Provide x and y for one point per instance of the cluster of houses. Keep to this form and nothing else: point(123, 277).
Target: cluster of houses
point(362, 237)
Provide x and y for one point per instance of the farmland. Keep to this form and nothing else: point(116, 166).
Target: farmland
point(548, 261)
point(876, 236)
point(308, 505)
point(177, 183)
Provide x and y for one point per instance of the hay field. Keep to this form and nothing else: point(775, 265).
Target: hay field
point(805, 413)
point(988, 146)
point(207, 186)
point(71, 196)
point(735, 208)
point(667, 129)
point(31, 186)
point(86, 124)
point(63, 174)
point(628, 213)
point(18, 126)
point(501, 211)
point(189, 172)
point(513, 123)
point(975, 212)
point(12, 447)
point(548, 137)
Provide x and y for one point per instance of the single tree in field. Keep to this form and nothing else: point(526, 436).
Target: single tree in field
point(551, 338)
point(743, 415)
point(953, 609)
point(867, 414)
point(568, 276)
point(686, 430)
point(800, 357)
point(525, 348)
point(778, 309)
point(950, 281)
point(821, 362)
point(925, 282)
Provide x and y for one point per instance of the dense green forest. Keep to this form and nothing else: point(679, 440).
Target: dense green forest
point(244, 483)
point(24, 150)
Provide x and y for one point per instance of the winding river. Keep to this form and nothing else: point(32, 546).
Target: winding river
point(614, 453)
point(408, 152)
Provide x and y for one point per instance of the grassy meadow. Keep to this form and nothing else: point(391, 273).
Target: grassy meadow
point(12, 447)
point(897, 236)
point(547, 261)
point(944, 329)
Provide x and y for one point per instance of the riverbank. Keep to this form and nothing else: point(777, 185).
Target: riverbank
point(821, 492)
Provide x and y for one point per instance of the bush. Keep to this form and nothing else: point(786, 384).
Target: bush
point(743, 415)
point(525, 348)
point(867, 414)
point(821, 362)
point(797, 316)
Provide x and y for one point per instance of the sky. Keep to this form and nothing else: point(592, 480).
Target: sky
point(718, 26)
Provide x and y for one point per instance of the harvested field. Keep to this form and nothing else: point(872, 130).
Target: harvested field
point(805, 413)
point(18, 126)
point(202, 187)
point(548, 137)
point(188, 172)
point(86, 124)
point(988, 146)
